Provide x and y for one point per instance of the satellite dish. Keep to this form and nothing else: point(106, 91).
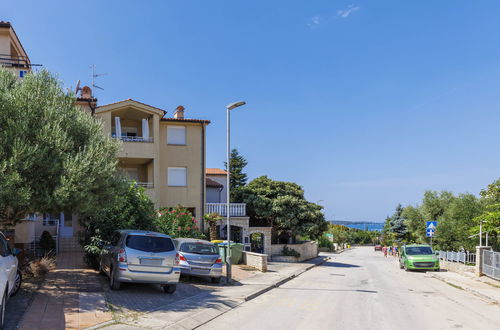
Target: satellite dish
point(77, 89)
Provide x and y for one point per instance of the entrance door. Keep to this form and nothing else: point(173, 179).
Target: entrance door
point(66, 225)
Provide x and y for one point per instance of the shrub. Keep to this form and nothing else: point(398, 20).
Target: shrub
point(47, 243)
point(212, 219)
point(178, 222)
point(325, 242)
point(42, 266)
point(290, 252)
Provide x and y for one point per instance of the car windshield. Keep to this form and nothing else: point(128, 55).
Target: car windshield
point(418, 250)
point(149, 243)
point(199, 248)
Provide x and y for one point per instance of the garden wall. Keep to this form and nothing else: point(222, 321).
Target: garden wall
point(307, 250)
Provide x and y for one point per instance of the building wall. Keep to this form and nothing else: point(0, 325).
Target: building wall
point(222, 180)
point(214, 195)
point(164, 156)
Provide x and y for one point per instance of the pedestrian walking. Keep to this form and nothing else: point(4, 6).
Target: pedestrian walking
point(384, 249)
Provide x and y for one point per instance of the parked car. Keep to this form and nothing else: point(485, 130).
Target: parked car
point(199, 258)
point(137, 256)
point(10, 276)
point(418, 257)
point(378, 248)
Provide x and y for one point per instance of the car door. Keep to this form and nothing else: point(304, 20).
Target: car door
point(402, 256)
point(8, 264)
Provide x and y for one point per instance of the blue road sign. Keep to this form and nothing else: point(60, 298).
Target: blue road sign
point(430, 228)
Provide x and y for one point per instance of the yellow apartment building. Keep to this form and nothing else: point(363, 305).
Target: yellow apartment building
point(13, 57)
point(164, 155)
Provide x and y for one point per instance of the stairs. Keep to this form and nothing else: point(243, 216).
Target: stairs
point(69, 244)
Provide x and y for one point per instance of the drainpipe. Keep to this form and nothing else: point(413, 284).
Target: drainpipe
point(203, 142)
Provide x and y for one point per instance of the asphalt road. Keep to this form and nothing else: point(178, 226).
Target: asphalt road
point(360, 289)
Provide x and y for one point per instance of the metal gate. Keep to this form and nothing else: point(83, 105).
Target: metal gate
point(491, 264)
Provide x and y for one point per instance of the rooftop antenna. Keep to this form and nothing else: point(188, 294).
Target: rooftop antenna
point(78, 88)
point(95, 75)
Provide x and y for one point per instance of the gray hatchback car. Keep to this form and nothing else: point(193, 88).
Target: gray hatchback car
point(199, 258)
point(137, 256)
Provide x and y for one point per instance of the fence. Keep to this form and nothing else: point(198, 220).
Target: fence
point(491, 264)
point(35, 250)
point(464, 257)
point(235, 209)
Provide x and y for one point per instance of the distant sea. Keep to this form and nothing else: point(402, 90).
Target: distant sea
point(372, 226)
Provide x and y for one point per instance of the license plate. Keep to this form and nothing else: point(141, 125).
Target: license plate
point(150, 262)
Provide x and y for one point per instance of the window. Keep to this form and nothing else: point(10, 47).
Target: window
point(177, 176)
point(149, 243)
point(176, 135)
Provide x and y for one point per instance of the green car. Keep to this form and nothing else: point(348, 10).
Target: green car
point(418, 257)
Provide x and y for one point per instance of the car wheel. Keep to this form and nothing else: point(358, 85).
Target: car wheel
point(113, 283)
point(215, 279)
point(401, 266)
point(170, 288)
point(2, 309)
point(17, 283)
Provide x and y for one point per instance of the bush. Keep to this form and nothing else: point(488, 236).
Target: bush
point(47, 243)
point(178, 222)
point(42, 266)
point(290, 252)
point(132, 209)
point(325, 242)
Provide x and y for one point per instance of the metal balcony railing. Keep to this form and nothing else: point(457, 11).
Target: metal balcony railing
point(133, 138)
point(145, 184)
point(235, 209)
point(7, 60)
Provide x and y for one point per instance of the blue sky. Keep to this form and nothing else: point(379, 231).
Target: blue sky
point(365, 104)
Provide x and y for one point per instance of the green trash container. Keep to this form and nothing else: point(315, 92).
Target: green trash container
point(236, 252)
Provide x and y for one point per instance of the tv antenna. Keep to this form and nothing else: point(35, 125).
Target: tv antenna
point(95, 75)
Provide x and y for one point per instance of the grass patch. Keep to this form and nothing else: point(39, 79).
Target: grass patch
point(455, 286)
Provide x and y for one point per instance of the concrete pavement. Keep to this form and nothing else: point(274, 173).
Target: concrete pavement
point(360, 289)
point(182, 311)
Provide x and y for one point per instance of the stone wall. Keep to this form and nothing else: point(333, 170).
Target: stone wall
point(255, 260)
point(456, 267)
point(307, 250)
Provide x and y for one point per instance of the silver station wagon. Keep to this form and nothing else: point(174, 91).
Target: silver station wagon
point(136, 256)
point(199, 258)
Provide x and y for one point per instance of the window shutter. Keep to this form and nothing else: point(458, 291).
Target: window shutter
point(176, 135)
point(177, 176)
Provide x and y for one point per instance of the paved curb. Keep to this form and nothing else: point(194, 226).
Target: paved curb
point(283, 280)
point(468, 289)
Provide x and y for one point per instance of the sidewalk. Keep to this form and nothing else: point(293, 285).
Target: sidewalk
point(483, 287)
point(69, 298)
point(198, 309)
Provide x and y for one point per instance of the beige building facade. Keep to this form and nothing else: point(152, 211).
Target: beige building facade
point(13, 57)
point(164, 155)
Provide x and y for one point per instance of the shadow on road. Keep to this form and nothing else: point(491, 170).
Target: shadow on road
point(336, 290)
point(338, 264)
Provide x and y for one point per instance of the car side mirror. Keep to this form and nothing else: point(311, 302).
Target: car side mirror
point(15, 251)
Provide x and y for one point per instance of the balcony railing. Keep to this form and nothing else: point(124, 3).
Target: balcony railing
point(145, 184)
point(133, 138)
point(7, 60)
point(235, 209)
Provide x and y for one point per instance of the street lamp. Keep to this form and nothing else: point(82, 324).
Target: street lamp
point(228, 188)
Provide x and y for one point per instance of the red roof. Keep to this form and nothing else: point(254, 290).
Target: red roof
point(213, 184)
point(189, 120)
point(215, 171)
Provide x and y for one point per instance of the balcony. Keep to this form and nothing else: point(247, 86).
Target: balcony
point(133, 138)
point(235, 209)
point(147, 185)
point(12, 61)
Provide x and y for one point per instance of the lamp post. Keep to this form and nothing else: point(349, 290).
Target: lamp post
point(228, 187)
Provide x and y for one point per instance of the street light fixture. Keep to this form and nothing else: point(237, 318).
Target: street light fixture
point(228, 188)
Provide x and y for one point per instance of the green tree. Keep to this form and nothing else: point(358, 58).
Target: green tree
point(53, 155)
point(283, 206)
point(397, 225)
point(415, 223)
point(130, 209)
point(237, 178)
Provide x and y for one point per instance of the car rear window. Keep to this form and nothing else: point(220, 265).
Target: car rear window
point(199, 248)
point(149, 243)
point(418, 250)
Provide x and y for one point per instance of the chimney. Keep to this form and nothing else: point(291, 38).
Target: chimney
point(179, 112)
point(86, 93)
point(85, 100)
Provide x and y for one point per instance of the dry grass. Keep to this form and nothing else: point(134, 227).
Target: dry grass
point(42, 266)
